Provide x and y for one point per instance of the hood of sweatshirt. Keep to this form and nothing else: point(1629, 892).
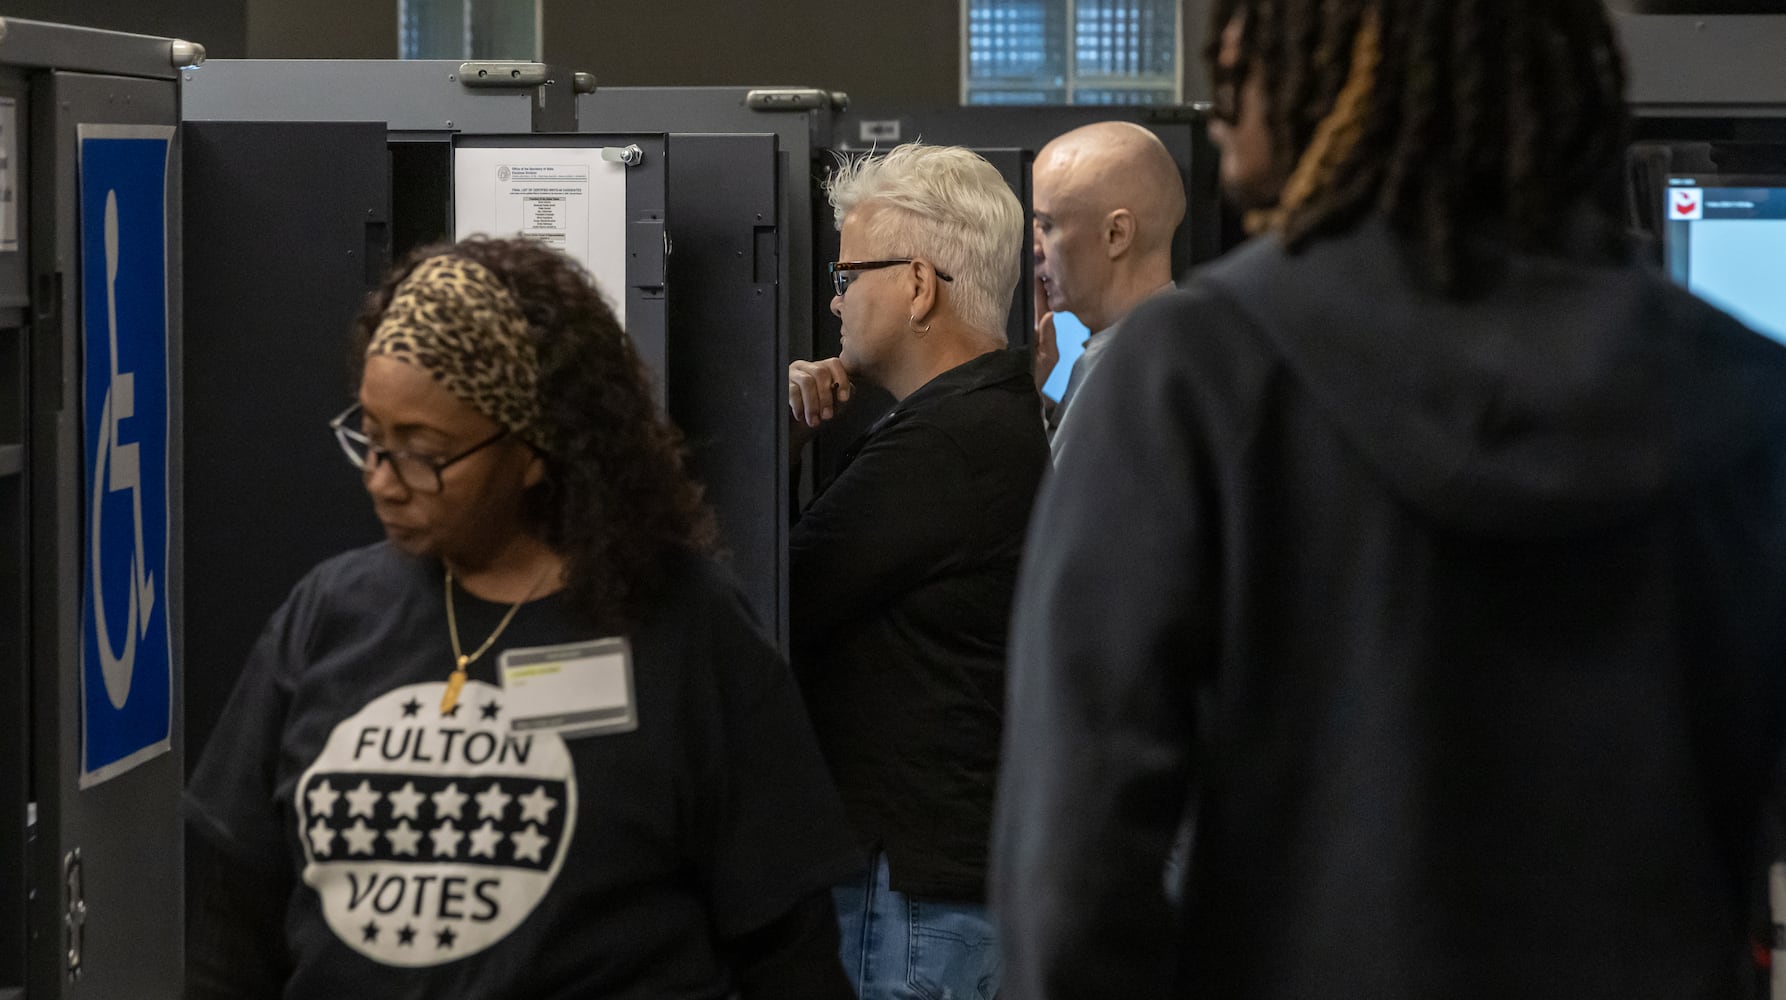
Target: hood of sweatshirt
point(1567, 398)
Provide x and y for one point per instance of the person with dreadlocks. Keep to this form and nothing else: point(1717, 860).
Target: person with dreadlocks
point(1447, 596)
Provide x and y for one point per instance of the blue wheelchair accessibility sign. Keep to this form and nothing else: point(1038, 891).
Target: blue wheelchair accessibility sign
point(126, 644)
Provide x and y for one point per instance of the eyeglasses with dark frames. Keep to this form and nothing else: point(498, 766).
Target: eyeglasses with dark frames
point(420, 473)
point(843, 272)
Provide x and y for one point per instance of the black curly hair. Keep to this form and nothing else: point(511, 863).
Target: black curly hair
point(1485, 118)
point(616, 497)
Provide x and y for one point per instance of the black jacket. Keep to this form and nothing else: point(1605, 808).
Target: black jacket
point(1460, 628)
point(902, 573)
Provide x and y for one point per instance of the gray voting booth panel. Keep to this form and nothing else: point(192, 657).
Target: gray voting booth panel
point(734, 418)
point(727, 349)
point(1705, 66)
point(15, 533)
point(89, 363)
point(800, 133)
point(413, 95)
point(288, 229)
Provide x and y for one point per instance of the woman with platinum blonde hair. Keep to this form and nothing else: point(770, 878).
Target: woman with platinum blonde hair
point(902, 565)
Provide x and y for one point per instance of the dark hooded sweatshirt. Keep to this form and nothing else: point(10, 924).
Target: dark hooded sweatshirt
point(1459, 629)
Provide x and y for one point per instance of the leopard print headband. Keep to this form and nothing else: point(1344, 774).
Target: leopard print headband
point(455, 320)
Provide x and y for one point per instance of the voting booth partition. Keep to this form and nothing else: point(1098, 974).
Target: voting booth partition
point(749, 294)
point(91, 621)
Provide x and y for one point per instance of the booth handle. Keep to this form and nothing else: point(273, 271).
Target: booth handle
point(502, 75)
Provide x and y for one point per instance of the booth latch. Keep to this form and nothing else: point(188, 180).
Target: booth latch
point(503, 74)
point(649, 245)
point(632, 155)
point(75, 921)
point(186, 55)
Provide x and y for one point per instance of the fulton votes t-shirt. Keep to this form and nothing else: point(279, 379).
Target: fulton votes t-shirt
point(445, 854)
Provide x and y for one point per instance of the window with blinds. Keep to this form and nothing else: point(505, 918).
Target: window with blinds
point(1071, 52)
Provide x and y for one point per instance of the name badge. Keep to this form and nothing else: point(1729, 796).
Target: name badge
point(579, 689)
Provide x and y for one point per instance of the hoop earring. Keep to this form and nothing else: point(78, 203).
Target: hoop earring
point(912, 321)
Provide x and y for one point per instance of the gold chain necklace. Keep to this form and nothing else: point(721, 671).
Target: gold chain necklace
point(456, 682)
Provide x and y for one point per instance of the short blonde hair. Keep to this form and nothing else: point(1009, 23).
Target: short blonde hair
point(946, 204)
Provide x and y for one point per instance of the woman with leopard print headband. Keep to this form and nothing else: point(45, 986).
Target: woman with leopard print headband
point(380, 814)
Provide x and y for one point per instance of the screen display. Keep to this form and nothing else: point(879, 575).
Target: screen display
point(1070, 336)
point(1726, 242)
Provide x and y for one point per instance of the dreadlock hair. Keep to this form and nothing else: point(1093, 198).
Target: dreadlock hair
point(1463, 122)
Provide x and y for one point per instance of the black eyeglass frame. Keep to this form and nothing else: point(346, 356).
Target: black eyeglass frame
point(842, 271)
point(348, 438)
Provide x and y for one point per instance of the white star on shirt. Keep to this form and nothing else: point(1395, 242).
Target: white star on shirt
point(484, 840)
point(405, 801)
point(446, 839)
point(528, 843)
point(403, 838)
point(537, 805)
point(362, 800)
point(359, 837)
point(321, 838)
point(492, 801)
point(322, 799)
point(449, 801)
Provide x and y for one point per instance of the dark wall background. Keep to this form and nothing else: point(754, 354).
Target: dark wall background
point(904, 53)
point(890, 53)
point(899, 51)
point(219, 25)
point(321, 29)
point(238, 29)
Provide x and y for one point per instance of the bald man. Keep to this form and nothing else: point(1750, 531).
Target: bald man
point(1107, 199)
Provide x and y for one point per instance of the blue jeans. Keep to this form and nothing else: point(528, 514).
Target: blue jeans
point(896, 947)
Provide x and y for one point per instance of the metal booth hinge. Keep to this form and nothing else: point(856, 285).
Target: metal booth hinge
point(502, 74)
point(186, 55)
point(75, 921)
point(631, 155)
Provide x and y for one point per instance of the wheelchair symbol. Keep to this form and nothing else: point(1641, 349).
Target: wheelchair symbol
point(126, 475)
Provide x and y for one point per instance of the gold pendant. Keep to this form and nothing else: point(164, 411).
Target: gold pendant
point(455, 684)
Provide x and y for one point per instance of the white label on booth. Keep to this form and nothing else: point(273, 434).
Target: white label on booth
point(566, 197)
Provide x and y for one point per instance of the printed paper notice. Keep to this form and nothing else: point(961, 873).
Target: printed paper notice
point(546, 202)
point(9, 172)
point(568, 197)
